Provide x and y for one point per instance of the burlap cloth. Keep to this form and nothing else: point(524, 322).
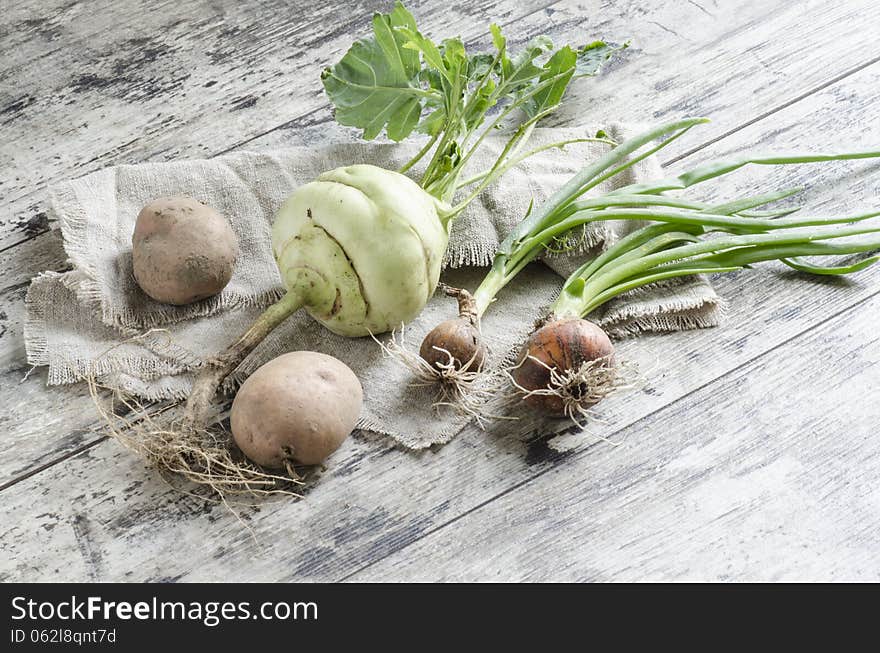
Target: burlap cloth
point(95, 321)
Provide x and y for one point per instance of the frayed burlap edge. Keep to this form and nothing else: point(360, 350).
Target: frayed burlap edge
point(74, 230)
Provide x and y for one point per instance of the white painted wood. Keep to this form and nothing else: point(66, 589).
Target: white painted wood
point(100, 515)
point(373, 500)
point(20, 263)
point(768, 474)
point(731, 61)
point(95, 84)
point(810, 124)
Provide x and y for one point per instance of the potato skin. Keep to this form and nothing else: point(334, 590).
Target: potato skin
point(301, 405)
point(182, 250)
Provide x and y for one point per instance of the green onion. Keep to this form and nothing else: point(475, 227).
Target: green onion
point(567, 364)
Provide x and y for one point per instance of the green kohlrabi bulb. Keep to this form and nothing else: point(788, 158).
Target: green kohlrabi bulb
point(363, 246)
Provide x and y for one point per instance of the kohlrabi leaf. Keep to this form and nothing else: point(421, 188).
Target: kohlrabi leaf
point(429, 50)
point(376, 84)
point(399, 80)
point(591, 57)
point(480, 101)
point(552, 82)
point(498, 39)
point(564, 65)
point(520, 69)
point(436, 77)
point(479, 65)
point(433, 122)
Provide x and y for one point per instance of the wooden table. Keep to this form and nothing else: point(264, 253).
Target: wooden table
point(753, 453)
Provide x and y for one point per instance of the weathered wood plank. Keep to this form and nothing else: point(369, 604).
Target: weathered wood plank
point(733, 62)
point(368, 523)
point(373, 500)
point(769, 474)
point(119, 121)
point(122, 84)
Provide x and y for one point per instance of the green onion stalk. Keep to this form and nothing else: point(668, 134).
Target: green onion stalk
point(567, 363)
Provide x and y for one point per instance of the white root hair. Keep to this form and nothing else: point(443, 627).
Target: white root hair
point(464, 390)
point(179, 452)
point(580, 389)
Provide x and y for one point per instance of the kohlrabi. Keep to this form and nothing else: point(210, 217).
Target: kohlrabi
point(360, 247)
point(372, 240)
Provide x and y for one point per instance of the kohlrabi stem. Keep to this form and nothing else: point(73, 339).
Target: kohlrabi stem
point(444, 185)
point(218, 368)
point(511, 107)
point(432, 177)
point(418, 156)
point(497, 169)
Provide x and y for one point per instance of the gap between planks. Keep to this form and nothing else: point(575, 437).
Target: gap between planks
point(775, 109)
point(692, 502)
point(454, 519)
point(55, 461)
point(483, 34)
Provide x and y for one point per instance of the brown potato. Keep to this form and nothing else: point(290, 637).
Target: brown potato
point(300, 406)
point(182, 250)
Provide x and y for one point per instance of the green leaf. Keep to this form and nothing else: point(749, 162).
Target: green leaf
point(479, 65)
point(552, 82)
point(398, 81)
point(433, 122)
point(520, 70)
point(563, 66)
point(376, 84)
point(498, 39)
point(427, 47)
point(815, 268)
point(456, 61)
point(592, 56)
point(479, 103)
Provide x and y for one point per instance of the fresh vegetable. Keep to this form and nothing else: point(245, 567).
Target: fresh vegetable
point(456, 343)
point(360, 248)
point(182, 250)
point(567, 353)
point(564, 344)
point(299, 407)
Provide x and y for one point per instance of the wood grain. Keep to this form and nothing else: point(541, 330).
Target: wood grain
point(815, 124)
point(374, 500)
point(154, 74)
point(169, 80)
point(101, 515)
point(20, 263)
point(768, 474)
